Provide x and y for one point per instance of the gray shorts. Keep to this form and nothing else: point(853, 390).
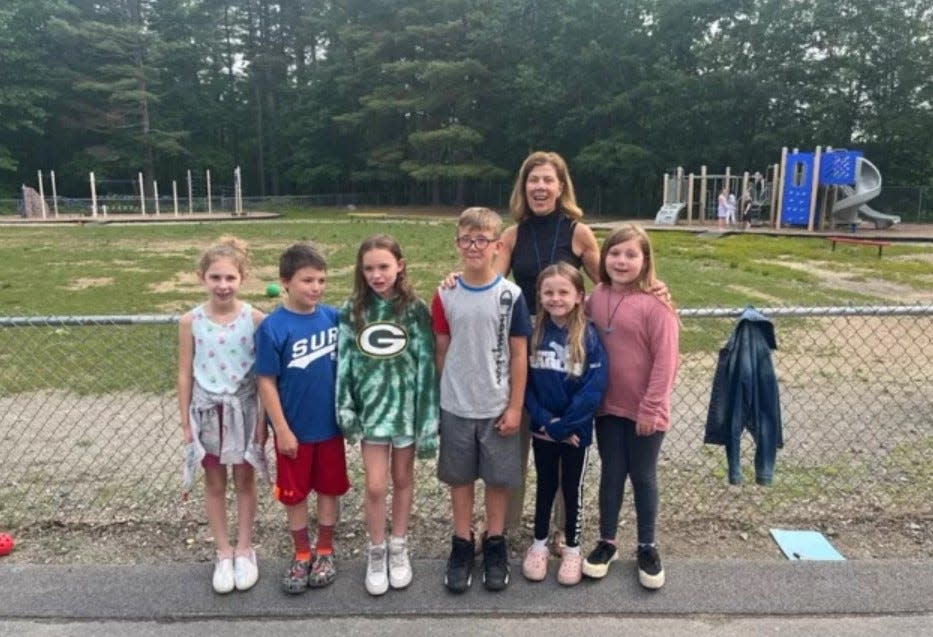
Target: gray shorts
point(471, 448)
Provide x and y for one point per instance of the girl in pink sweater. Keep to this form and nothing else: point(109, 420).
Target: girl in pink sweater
point(640, 335)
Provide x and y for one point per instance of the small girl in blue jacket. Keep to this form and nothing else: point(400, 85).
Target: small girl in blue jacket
point(566, 381)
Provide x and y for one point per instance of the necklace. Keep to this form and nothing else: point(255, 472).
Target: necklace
point(608, 328)
point(534, 240)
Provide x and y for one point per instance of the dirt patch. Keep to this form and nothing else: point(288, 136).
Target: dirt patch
point(860, 281)
point(753, 293)
point(255, 283)
point(83, 284)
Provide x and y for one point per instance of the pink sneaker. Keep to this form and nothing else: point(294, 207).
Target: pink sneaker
point(534, 568)
point(571, 568)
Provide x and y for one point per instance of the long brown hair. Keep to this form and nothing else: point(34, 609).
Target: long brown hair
point(361, 296)
point(646, 278)
point(567, 202)
point(576, 319)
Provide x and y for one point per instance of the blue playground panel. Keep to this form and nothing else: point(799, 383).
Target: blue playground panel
point(798, 183)
point(837, 167)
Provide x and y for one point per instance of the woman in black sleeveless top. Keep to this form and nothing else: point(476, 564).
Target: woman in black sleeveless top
point(547, 230)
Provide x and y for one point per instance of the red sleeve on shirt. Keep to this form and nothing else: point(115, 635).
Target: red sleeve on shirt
point(438, 318)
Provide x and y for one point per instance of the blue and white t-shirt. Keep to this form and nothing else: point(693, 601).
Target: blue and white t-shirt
point(300, 351)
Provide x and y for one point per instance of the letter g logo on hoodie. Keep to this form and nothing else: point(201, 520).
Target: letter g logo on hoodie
point(382, 340)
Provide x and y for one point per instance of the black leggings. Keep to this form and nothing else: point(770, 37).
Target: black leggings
point(559, 464)
point(623, 454)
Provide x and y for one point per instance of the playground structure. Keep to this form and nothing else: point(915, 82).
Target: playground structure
point(817, 190)
point(36, 206)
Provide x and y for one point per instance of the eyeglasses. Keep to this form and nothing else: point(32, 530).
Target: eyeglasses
point(481, 242)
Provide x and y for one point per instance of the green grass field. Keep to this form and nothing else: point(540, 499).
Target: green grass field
point(130, 269)
point(149, 269)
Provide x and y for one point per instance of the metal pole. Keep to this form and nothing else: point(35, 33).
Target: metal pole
point(814, 187)
point(54, 193)
point(93, 196)
point(701, 213)
point(780, 188)
point(190, 204)
point(42, 196)
point(155, 193)
point(209, 206)
point(142, 195)
point(690, 179)
point(175, 196)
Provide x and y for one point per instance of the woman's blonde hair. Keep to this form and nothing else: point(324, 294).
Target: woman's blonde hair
point(576, 319)
point(567, 202)
point(227, 247)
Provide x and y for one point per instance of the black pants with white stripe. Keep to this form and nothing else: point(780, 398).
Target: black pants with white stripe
point(563, 465)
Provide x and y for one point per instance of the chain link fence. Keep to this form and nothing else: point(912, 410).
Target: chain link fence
point(89, 431)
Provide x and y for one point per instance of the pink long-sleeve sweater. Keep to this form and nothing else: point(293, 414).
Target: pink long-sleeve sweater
point(641, 338)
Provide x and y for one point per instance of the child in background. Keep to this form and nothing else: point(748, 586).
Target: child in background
point(722, 207)
point(640, 334)
point(387, 395)
point(730, 209)
point(566, 381)
point(218, 405)
point(481, 328)
point(296, 351)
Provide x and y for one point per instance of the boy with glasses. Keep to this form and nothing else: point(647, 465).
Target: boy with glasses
point(481, 328)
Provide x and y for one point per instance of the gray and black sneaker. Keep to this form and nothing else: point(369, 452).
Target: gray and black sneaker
point(295, 580)
point(650, 571)
point(597, 563)
point(496, 569)
point(459, 573)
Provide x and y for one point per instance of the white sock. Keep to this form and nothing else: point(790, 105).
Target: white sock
point(540, 544)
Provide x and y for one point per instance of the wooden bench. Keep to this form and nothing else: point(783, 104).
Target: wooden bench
point(858, 242)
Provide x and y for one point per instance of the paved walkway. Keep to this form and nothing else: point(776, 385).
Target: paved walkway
point(181, 592)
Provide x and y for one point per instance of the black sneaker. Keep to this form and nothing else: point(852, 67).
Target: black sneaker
point(596, 564)
point(496, 569)
point(650, 571)
point(459, 573)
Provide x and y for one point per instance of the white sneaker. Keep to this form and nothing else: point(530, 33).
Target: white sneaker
point(399, 564)
point(245, 571)
point(377, 574)
point(223, 581)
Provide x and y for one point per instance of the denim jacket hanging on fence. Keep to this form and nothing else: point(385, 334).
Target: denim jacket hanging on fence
point(745, 396)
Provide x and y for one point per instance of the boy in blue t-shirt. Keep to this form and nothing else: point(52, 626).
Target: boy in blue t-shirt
point(296, 366)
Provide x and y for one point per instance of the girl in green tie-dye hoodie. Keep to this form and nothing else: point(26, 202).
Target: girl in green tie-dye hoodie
point(387, 396)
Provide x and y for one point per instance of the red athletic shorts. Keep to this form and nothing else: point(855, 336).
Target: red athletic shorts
point(319, 466)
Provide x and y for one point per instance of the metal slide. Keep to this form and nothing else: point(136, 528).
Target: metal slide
point(853, 203)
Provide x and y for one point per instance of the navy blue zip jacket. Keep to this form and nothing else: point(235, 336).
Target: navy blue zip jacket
point(745, 396)
point(551, 393)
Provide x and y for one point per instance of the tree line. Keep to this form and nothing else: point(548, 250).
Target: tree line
point(437, 101)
